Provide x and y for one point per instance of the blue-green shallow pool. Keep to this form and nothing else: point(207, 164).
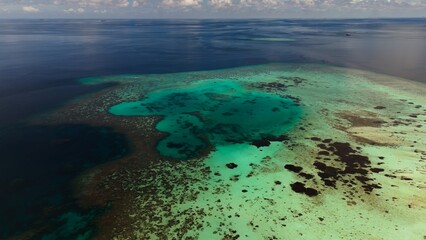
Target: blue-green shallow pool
point(216, 112)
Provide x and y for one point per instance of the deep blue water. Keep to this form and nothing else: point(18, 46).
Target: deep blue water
point(41, 59)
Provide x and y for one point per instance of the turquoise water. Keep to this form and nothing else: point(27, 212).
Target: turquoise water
point(212, 112)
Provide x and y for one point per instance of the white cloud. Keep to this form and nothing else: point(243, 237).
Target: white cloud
point(261, 3)
point(220, 3)
point(306, 4)
point(136, 3)
point(182, 3)
point(72, 10)
point(93, 3)
point(30, 9)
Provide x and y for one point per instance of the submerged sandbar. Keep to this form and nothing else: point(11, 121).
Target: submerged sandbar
point(345, 160)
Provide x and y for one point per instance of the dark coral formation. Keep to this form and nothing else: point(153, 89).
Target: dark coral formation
point(281, 85)
point(345, 164)
point(231, 165)
point(301, 188)
point(261, 143)
point(338, 164)
point(293, 168)
point(265, 141)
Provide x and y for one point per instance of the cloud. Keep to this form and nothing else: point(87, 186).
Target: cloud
point(182, 3)
point(30, 9)
point(72, 10)
point(93, 3)
point(237, 4)
point(220, 3)
point(216, 8)
point(261, 4)
point(137, 3)
point(103, 11)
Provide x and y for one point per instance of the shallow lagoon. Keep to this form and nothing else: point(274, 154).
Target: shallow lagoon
point(349, 166)
point(217, 112)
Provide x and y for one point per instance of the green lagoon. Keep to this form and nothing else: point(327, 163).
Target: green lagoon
point(217, 111)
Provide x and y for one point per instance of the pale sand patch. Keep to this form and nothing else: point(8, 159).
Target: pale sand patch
point(374, 135)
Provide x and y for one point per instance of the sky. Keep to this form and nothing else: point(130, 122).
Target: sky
point(101, 9)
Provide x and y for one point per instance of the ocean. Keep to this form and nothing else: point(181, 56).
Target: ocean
point(42, 63)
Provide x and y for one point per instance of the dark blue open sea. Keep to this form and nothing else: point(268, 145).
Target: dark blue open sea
point(40, 61)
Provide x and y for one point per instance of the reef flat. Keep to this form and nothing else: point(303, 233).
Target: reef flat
point(272, 151)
